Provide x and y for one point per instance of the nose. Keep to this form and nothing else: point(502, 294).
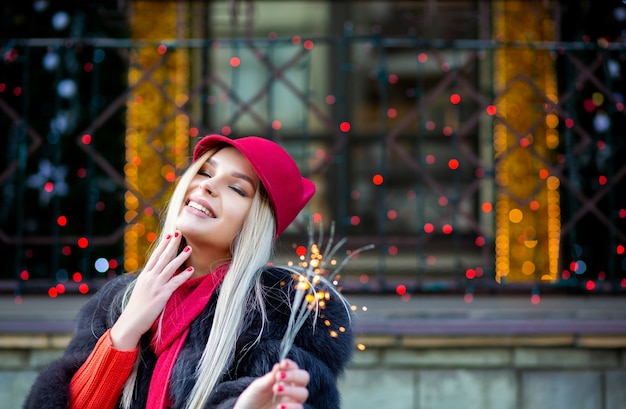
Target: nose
point(209, 185)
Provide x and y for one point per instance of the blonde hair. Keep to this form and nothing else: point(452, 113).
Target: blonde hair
point(251, 250)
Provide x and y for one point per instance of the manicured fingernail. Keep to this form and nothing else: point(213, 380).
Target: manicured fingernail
point(283, 406)
point(189, 268)
point(169, 236)
point(187, 249)
point(283, 375)
point(280, 388)
point(176, 234)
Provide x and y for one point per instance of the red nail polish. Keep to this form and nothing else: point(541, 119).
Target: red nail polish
point(169, 236)
point(189, 268)
point(280, 388)
point(283, 406)
point(283, 375)
point(176, 234)
point(187, 249)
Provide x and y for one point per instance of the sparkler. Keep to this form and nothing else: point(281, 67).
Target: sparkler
point(316, 279)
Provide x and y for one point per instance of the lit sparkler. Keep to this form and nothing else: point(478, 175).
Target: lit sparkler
point(316, 279)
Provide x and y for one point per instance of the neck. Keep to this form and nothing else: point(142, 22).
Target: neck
point(204, 265)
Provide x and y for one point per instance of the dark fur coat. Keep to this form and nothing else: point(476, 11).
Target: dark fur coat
point(315, 350)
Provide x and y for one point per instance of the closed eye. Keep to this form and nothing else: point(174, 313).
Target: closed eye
point(239, 191)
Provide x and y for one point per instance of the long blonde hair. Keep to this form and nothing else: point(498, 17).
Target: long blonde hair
point(251, 250)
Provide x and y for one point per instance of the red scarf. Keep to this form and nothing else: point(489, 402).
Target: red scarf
point(184, 306)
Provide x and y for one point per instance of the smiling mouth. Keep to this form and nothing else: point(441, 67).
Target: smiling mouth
point(200, 208)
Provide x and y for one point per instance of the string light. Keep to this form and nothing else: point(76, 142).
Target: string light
point(523, 254)
point(155, 149)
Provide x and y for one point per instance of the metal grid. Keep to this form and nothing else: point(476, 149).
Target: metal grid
point(342, 141)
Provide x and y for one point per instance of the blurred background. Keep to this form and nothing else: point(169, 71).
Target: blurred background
point(479, 145)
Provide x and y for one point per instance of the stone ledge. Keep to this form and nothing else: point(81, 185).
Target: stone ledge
point(490, 341)
point(34, 341)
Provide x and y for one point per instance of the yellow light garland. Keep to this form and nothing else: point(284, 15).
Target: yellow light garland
point(525, 136)
point(156, 136)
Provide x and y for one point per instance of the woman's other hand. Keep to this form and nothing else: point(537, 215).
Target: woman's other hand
point(285, 387)
point(153, 288)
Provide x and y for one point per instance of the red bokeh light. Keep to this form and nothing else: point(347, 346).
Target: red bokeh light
point(83, 242)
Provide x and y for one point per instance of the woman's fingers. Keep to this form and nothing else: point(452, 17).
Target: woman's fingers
point(291, 384)
point(289, 372)
point(164, 254)
point(158, 251)
point(291, 393)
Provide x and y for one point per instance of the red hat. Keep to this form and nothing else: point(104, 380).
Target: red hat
point(288, 191)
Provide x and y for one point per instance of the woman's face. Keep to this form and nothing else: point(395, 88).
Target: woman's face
point(217, 203)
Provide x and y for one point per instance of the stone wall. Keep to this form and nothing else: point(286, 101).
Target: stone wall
point(495, 377)
point(423, 372)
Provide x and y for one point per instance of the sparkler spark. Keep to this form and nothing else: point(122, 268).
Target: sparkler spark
point(316, 276)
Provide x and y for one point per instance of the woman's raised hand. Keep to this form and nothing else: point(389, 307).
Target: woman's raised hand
point(284, 387)
point(153, 288)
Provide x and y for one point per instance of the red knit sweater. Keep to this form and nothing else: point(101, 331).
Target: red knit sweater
point(99, 381)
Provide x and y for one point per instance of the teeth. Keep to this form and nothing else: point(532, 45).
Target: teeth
point(203, 209)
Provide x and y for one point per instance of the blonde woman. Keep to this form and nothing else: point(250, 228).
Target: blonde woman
point(201, 325)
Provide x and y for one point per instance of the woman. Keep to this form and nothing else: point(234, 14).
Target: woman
point(201, 325)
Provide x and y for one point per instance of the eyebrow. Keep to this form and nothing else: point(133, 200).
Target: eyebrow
point(235, 174)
